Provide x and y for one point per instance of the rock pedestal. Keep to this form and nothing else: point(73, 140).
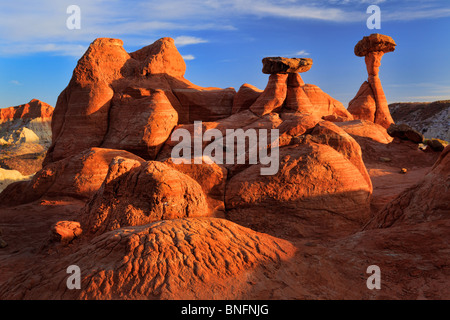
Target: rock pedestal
point(370, 102)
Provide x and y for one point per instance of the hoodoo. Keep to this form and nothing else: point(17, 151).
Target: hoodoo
point(370, 102)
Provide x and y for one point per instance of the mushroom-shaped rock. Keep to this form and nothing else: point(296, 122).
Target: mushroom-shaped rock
point(374, 42)
point(370, 102)
point(272, 65)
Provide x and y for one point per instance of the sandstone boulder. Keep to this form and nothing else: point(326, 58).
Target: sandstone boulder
point(212, 177)
point(330, 134)
point(436, 144)
point(140, 125)
point(405, 132)
point(289, 92)
point(317, 190)
point(140, 195)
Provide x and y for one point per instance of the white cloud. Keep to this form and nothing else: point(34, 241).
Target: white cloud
point(187, 40)
point(302, 53)
point(188, 57)
point(16, 82)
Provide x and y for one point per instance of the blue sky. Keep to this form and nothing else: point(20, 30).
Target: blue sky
point(224, 41)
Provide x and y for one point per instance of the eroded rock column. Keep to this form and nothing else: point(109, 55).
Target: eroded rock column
point(370, 102)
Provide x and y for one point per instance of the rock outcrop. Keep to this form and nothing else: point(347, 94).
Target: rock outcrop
point(370, 102)
point(109, 86)
point(321, 178)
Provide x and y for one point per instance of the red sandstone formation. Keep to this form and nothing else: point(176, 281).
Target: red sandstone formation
point(109, 86)
point(140, 226)
point(370, 102)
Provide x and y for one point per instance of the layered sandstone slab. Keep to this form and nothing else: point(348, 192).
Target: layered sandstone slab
point(274, 65)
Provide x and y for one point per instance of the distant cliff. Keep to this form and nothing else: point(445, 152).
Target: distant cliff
point(432, 119)
point(25, 136)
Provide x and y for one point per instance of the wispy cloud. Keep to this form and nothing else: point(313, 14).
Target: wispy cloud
point(40, 26)
point(16, 82)
point(186, 40)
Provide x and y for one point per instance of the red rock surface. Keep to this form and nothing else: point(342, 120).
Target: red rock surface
point(175, 259)
point(65, 231)
point(429, 200)
point(140, 226)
